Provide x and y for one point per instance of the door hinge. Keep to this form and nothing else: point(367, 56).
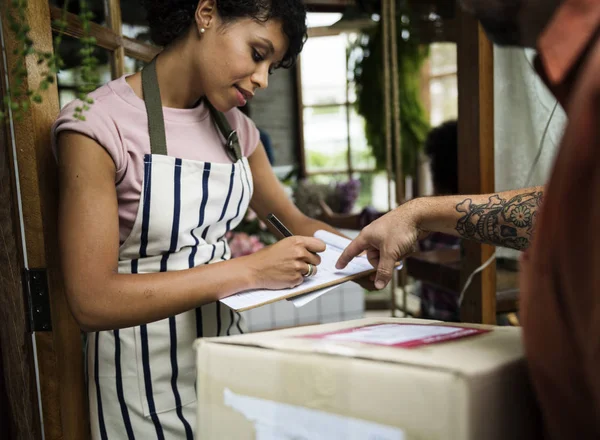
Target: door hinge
point(35, 283)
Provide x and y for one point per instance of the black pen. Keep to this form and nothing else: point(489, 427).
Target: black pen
point(278, 225)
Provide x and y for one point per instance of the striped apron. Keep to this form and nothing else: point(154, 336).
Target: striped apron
point(142, 380)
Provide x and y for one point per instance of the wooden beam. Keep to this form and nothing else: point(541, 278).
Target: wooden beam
point(138, 50)
point(106, 38)
point(300, 158)
point(59, 352)
point(476, 156)
point(324, 31)
point(327, 5)
point(117, 61)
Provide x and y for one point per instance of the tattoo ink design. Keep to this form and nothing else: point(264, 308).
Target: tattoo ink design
point(500, 222)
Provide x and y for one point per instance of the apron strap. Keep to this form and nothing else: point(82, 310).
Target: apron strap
point(156, 121)
point(232, 142)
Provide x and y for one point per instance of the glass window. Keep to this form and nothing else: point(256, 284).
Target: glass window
point(69, 78)
point(134, 23)
point(334, 133)
point(325, 138)
point(335, 146)
point(95, 6)
point(440, 83)
point(443, 88)
point(324, 70)
point(362, 158)
point(133, 65)
point(442, 57)
point(322, 19)
point(444, 99)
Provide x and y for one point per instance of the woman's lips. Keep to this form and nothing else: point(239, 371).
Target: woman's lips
point(241, 99)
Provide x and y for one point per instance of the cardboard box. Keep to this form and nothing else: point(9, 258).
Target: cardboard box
point(405, 379)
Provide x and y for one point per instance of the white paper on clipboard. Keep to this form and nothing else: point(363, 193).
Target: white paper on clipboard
point(327, 276)
point(302, 300)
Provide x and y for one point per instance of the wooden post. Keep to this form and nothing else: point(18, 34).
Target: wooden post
point(476, 156)
point(300, 158)
point(59, 352)
point(117, 60)
point(19, 410)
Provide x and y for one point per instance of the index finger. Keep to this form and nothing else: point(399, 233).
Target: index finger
point(358, 245)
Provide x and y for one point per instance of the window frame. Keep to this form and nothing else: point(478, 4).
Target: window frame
point(349, 170)
point(108, 37)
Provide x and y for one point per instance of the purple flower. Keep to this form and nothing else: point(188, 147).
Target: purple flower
point(345, 194)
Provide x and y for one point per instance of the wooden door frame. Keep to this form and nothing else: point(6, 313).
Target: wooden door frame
point(475, 70)
point(19, 409)
point(60, 356)
point(64, 413)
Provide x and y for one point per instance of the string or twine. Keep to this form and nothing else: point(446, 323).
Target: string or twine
point(396, 105)
point(387, 125)
point(390, 63)
point(398, 174)
point(385, 16)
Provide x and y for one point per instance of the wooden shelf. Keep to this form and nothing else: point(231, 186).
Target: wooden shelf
point(442, 268)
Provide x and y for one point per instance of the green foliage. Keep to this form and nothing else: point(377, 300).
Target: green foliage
point(317, 160)
point(368, 74)
point(18, 99)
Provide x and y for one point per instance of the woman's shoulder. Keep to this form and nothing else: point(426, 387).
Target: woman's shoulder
point(105, 99)
point(97, 117)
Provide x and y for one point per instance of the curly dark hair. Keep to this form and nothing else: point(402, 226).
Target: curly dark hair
point(441, 146)
point(169, 19)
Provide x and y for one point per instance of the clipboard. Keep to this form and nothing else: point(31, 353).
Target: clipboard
point(326, 279)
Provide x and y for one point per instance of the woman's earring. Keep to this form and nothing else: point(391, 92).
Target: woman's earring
point(202, 30)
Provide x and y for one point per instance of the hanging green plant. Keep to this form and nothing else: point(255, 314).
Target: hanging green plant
point(18, 98)
point(368, 75)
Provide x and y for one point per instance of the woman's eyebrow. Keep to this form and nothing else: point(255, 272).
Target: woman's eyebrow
point(269, 45)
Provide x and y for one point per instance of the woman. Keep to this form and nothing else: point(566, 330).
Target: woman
point(146, 285)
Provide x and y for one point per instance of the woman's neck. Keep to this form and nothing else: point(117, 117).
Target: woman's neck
point(178, 85)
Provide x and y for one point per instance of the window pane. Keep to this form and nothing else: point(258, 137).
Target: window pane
point(324, 70)
point(95, 6)
point(365, 194)
point(70, 75)
point(444, 99)
point(135, 25)
point(133, 65)
point(318, 19)
point(352, 92)
point(325, 138)
point(442, 58)
point(362, 158)
point(374, 191)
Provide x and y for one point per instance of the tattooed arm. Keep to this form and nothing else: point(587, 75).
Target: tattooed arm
point(504, 219)
point(507, 222)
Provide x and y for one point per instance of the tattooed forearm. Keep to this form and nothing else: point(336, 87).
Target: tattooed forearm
point(500, 222)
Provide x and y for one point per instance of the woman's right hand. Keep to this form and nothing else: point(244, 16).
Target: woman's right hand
point(284, 264)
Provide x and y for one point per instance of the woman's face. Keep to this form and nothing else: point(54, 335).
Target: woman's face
point(235, 59)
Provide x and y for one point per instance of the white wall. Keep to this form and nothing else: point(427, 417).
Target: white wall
point(522, 107)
